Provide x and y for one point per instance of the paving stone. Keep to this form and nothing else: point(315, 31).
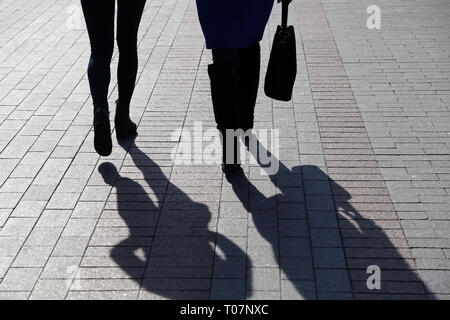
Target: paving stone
point(14, 295)
point(335, 296)
point(60, 267)
point(329, 258)
point(298, 290)
point(262, 236)
point(293, 228)
point(263, 279)
point(10, 245)
point(233, 246)
point(174, 295)
point(70, 247)
point(44, 236)
point(264, 295)
point(291, 211)
point(38, 193)
point(333, 280)
point(228, 289)
point(325, 237)
point(5, 263)
point(263, 256)
point(295, 247)
point(234, 267)
point(9, 200)
point(102, 295)
point(15, 185)
point(50, 290)
point(263, 218)
point(88, 210)
point(233, 227)
point(79, 227)
point(29, 209)
point(54, 218)
point(63, 200)
point(95, 193)
point(109, 273)
point(32, 256)
point(297, 269)
point(105, 285)
point(17, 227)
point(20, 279)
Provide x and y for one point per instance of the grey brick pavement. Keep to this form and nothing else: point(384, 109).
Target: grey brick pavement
point(362, 180)
point(399, 75)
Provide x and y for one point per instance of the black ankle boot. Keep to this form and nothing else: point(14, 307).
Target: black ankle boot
point(225, 98)
point(102, 132)
point(125, 128)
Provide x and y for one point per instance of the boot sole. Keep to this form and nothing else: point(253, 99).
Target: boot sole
point(125, 136)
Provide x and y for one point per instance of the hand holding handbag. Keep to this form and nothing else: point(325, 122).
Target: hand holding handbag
point(282, 69)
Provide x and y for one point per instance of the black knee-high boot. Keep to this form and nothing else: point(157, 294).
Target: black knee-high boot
point(225, 99)
point(249, 65)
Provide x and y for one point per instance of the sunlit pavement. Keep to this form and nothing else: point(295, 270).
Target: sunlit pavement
point(362, 190)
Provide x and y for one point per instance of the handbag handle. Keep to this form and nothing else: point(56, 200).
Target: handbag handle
point(284, 13)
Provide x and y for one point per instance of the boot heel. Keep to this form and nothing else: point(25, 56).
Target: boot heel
point(126, 131)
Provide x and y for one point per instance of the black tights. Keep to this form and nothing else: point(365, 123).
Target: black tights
point(99, 16)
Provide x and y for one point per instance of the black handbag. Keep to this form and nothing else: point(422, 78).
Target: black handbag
point(282, 69)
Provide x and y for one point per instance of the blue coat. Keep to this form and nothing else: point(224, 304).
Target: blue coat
point(233, 23)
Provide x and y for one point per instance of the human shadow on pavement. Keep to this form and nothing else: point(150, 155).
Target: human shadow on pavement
point(169, 251)
point(309, 223)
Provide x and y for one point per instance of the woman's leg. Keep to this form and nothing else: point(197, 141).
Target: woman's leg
point(224, 85)
point(224, 77)
point(249, 72)
point(128, 20)
point(234, 88)
point(99, 16)
point(247, 64)
point(227, 55)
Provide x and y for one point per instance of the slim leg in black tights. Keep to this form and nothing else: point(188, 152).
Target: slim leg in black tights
point(99, 16)
point(128, 20)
